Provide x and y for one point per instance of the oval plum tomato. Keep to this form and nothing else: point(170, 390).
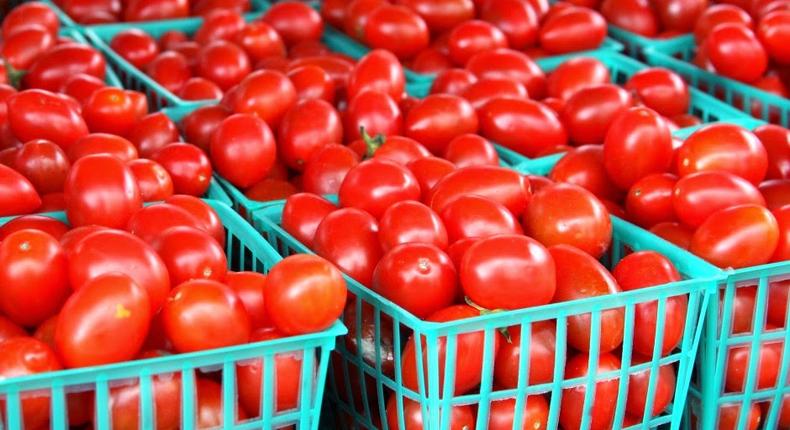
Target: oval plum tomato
point(605, 398)
point(243, 149)
point(718, 14)
point(348, 238)
point(294, 21)
point(35, 277)
point(265, 93)
point(210, 412)
point(250, 286)
point(776, 140)
point(777, 302)
point(674, 232)
point(398, 149)
point(10, 330)
point(190, 253)
point(397, 29)
point(782, 252)
point(327, 167)
point(356, 16)
point(509, 64)
point(502, 414)
point(568, 214)
point(105, 321)
point(639, 384)
point(378, 70)
point(101, 189)
point(124, 402)
point(773, 30)
point(738, 363)
point(170, 69)
point(23, 47)
point(308, 126)
point(583, 166)
point(442, 15)
point(636, 16)
point(199, 89)
point(220, 24)
point(429, 171)
point(411, 222)
point(374, 185)
point(260, 40)
point(575, 74)
point(471, 150)
point(438, 118)
point(271, 189)
point(374, 111)
point(472, 37)
point(419, 277)
point(571, 30)
point(312, 82)
point(53, 202)
point(152, 179)
point(39, 114)
point(542, 350)
point(679, 15)
point(334, 12)
point(203, 213)
point(661, 90)
point(223, 63)
point(736, 52)
point(17, 194)
point(51, 226)
point(469, 353)
point(453, 81)
point(472, 216)
point(489, 277)
point(724, 147)
point(336, 66)
point(647, 269)
point(507, 120)
point(739, 236)
point(44, 164)
point(501, 185)
point(518, 20)
point(23, 356)
point(148, 10)
point(188, 167)
point(776, 193)
point(461, 417)
point(729, 416)
point(55, 66)
point(590, 111)
point(198, 127)
point(152, 132)
point(640, 139)
point(33, 13)
point(699, 195)
point(135, 46)
point(102, 143)
point(581, 276)
point(151, 221)
point(302, 214)
point(203, 314)
point(650, 200)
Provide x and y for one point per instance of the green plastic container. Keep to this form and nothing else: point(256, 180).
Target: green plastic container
point(676, 55)
point(249, 252)
point(349, 366)
point(621, 68)
point(635, 43)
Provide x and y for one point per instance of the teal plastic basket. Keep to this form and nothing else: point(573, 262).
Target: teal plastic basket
point(350, 368)
point(248, 251)
point(676, 55)
point(621, 68)
point(635, 43)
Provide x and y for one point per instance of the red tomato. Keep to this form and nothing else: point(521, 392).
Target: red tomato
point(148, 10)
point(638, 386)
point(150, 222)
point(739, 361)
point(442, 15)
point(635, 16)
point(327, 167)
point(452, 81)
point(724, 147)
point(509, 64)
point(102, 190)
point(729, 416)
point(674, 232)
point(287, 377)
point(24, 356)
point(650, 200)
point(379, 70)
point(471, 216)
point(348, 238)
point(44, 164)
point(198, 127)
point(250, 286)
point(188, 167)
point(45, 224)
point(308, 126)
point(439, 118)
point(461, 417)
point(102, 143)
point(203, 314)
point(356, 16)
point(38, 114)
point(429, 171)
point(124, 403)
point(679, 15)
point(203, 213)
point(583, 166)
point(736, 52)
point(716, 15)
point(502, 414)
point(170, 69)
point(481, 92)
point(271, 189)
point(303, 213)
point(411, 222)
point(776, 193)
point(398, 149)
point(501, 185)
point(223, 63)
point(260, 40)
point(25, 45)
point(739, 236)
point(575, 74)
point(471, 150)
point(397, 29)
point(199, 89)
point(590, 111)
point(221, 24)
point(54, 67)
point(210, 410)
point(604, 399)
point(661, 90)
point(374, 111)
point(190, 253)
point(573, 29)
point(542, 350)
point(638, 138)
point(294, 21)
point(699, 195)
point(17, 195)
point(507, 120)
point(135, 46)
point(312, 82)
point(782, 252)
point(81, 86)
point(776, 140)
point(152, 179)
point(154, 131)
point(375, 185)
point(777, 303)
point(28, 14)
point(472, 37)
point(518, 20)
point(243, 149)
point(265, 93)
point(105, 321)
point(10, 330)
point(773, 30)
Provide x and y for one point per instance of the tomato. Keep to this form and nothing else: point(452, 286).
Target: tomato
point(374, 111)
point(198, 127)
point(38, 114)
point(312, 82)
point(452, 81)
point(471, 216)
point(501, 185)
point(152, 179)
point(271, 189)
point(308, 126)
point(54, 67)
point(739, 236)
point(220, 24)
point(17, 195)
point(150, 222)
point(357, 13)
point(334, 12)
point(25, 45)
point(635, 16)
point(260, 40)
point(203, 213)
point(24, 356)
point(776, 140)
point(105, 321)
point(782, 252)
point(250, 286)
point(507, 120)
point(327, 167)
point(429, 171)
point(199, 89)
point(605, 397)
point(590, 111)
point(223, 63)
point(102, 143)
point(461, 417)
point(44, 164)
point(411, 222)
point(374, 185)
point(471, 150)
point(472, 37)
point(575, 74)
point(774, 28)
point(736, 52)
point(777, 302)
point(28, 14)
point(723, 147)
point(135, 46)
point(661, 90)
point(481, 92)
point(674, 232)
point(242, 149)
point(148, 10)
point(169, 69)
point(442, 15)
point(516, 19)
point(638, 386)
point(153, 131)
point(583, 166)
point(302, 214)
point(124, 403)
point(348, 238)
point(509, 64)
point(502, 414)
point(398, 149)
point(294, 21)
point(542, 350)
point(729, 416)
point(397, 29)
point(776, 193)
point(210, 410)
point(571, 30)
point(267, 94)
point(650, 200)
point(679, 15)
point(101, 189)
point(699, 195)
point(378, 70)
point(45, 224)
point(739, 361)
point(190, 253)
point(716, 15)
point(742, 308)
point(10, 330)
point(106, 251)
point(439, 118)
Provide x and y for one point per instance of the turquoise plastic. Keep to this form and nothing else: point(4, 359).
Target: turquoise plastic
point(621, 68)
point(349, 366)
point(634, 43)
point(248, 252)
point(676, 55)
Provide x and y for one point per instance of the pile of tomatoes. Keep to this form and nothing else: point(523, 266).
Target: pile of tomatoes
point(90, 12)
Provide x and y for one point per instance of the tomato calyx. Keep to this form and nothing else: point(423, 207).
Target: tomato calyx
point(14, 75)
point(483, 311)
point(371, 143)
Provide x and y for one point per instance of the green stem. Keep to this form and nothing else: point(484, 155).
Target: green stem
point(371, 143)
point(14, 76)
point(483, 311)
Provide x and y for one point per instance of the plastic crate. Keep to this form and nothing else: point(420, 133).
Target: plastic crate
point(249, 252)
point(635, 43)
point(621, 68)
point(677, 53)
point(369, 411)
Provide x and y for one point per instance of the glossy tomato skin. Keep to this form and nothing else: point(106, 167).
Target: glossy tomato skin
point(638, 386)
point(506, 63)
point(723, 147)
point(102, 143)
point(782, 252)
point(348, 238)
point(190, 253)
point(411, 222)
point(51, 69)
point(287, 375)
point(396, 29)
point(152, 179)
point(485, 89)
point(150, 222)
point(308, 126)
point(736, 52)
point(38, 114)
point(729, 417)
point(772, 31)
point(124, 401)
point(105, 321)
point(34, 13)
point(374, 185)
point(739, 236)
point(429, 171)
point(439, 118)
point(661, 90)
point(374, 111)
point(574, 29)
point(589, 112)
point(471, 216)
point(632, 15)
point(605, 398)
point(302, 214)
point(518, 20)
point(242, 149)
point(379, 70)
point(312, 82)
point(776, 140)
point(27, 356)
point(499, 184)
point(44, 164)
point(471, 37)
point(203, 213)
point(170, 69)
point(48, 225)
point(471, 150)
point(135, 46)
point(698, 195)
point(739, 360)
point(399, 149)
point(461, 417)
point(506, 120)
point(542, 351)
point(650, 200)
point(152, 132)
point(776, 193)
point(674, 232)
point(502, 414)
point(294, 21)
point(452, 81)
point(266, 93)
point(101, 189)
point(327, 167)
point(575, 74)
point(17, 195)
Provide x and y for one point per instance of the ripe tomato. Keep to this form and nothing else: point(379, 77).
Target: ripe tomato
point(23, 356)
point(638, 385)
point(170, 69)
point(590, 111)
point(203, 314)
point(348, 238)
point(105, 321)
point(102, 143)
point(312, 82)
point(147, 10)
point(604, 400)
point(730, 415)
point(471, 150)
point(28, 14)
point(198, 127)
point(287, 377)
point(135, 46)
point(223, 63)
point(452, 81)
point(776, 140)
point(411, 222)
point(17, 195)
point(660, 89)
point(739, 360)
point(575, 74)
point(777, 302)
point(776, 193)
point(38, 114)
point(150, 222)
point(429, 171)
point(302, 214)
point(153, 132)
point(44, 164)
point(439, 118)
point(650, 200)
point(124, 403)
point(542, 350)
point(773, 30)
point(647, 269)
point(481, 92)
point(370, 341)
point(379, 70)
point(250, 286)
point(509, 64)
point(203, 213)
point(638, 138)
point(190, 253)
point(45, 224)
point(724, 147)
point(699, 195)
point(398, 149)
point(501, 185)
point(572, 29)
point(507, 120)
point(54, 67)
point(472, 37)
point(442, 15)
point(397, 29)
point(674, 232)
point(242, 149)
point(518, 20)
point(374, 111)
point(327, 167)
point(471, 216)
point(101, 189)
point(152, 179)
point(199, 89)
point(266, 93)
point(461, 417)
point(294, 21)
point(221, 24)
point(25, 45)
point(308, 126)
point(502, 414)
point(736, 52)
point(633, 15)
point(374, 185)
point(10, 330)
point(739, 236)
point(716, 15)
